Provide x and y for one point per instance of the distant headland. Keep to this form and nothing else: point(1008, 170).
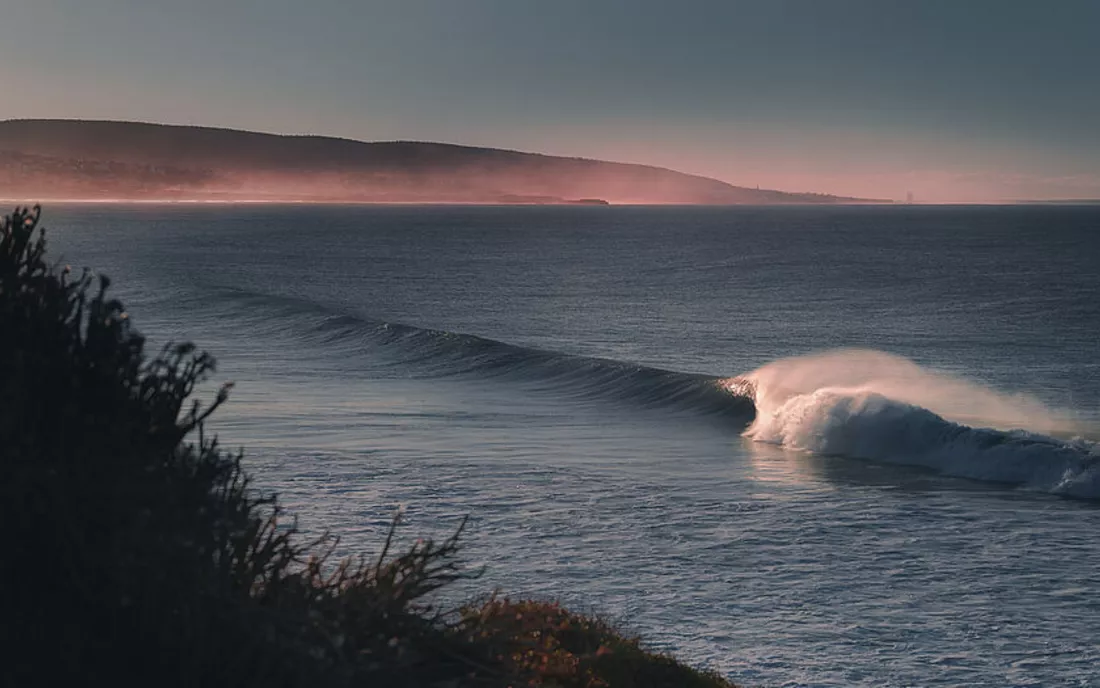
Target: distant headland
point(132, 161)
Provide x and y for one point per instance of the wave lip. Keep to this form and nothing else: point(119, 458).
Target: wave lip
point(867, 421)
point(443, 353)
point(431, 353)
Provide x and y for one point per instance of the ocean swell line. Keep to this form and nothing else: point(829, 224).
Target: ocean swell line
point(432, 353)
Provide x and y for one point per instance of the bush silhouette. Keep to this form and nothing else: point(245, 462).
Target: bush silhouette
point(137, 550)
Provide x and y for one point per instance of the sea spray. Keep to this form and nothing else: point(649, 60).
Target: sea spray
point(855, 371)
point(875, 405)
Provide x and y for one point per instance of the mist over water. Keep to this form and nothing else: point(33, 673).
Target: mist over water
point(874, 405)
point(861, 372)
point(920, 510)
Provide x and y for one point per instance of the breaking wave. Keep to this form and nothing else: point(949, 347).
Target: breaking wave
point(856, 403)
point(872, 405)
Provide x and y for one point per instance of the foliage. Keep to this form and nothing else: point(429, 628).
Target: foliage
point(136, 549)
point(545, 644)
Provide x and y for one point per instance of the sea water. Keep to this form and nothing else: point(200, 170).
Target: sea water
point(821, 446)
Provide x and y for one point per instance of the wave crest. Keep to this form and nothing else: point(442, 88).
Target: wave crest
point(429, 353)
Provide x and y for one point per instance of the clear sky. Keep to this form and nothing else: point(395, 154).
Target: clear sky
point(950, 99)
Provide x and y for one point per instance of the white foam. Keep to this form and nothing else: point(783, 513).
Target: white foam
point(873, 405)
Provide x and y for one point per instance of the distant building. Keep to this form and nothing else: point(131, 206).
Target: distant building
point(909, 197)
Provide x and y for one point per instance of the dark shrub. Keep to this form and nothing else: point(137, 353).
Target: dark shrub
point(136, 549)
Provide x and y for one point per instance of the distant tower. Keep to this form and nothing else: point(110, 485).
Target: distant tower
point(909, 197)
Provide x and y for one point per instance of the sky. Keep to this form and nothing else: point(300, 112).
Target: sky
point(951, 100)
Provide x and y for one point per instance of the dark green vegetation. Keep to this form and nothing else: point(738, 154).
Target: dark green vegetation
point(71, 159)
point(136, 551)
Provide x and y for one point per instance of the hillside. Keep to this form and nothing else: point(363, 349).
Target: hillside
point(73, 159)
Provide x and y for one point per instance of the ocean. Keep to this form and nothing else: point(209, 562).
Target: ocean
point(802, 446)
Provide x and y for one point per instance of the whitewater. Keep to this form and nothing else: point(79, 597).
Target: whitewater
point(873, 405)
point(799, 446)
